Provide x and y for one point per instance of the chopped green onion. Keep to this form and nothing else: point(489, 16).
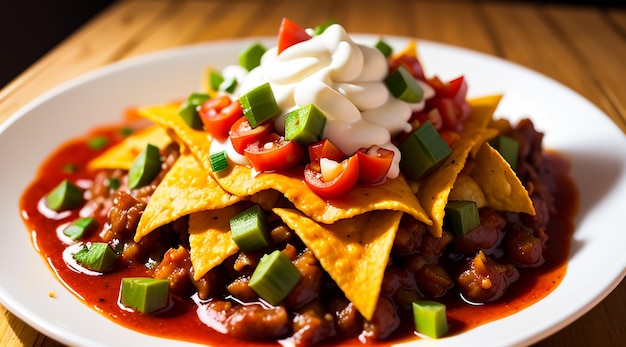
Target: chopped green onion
point(249, 229)
point(64, 196)
point(321, 28)
point(189, 110)
point(423, 151)
point(275, 277)
point(69, 168)
point(259, 104)
point(251, 56)
point(508, 149)
point(304, 125)
point(113, 183)
point(404, 86)
point(79, 227)
point(462, 215)
point(219, 161)
point(145, 294)
point(98, 142)
point(383, 47)
point(430, 318)
point(229, 86)
point(145, 167)
point(98, 256)
point(125, 131)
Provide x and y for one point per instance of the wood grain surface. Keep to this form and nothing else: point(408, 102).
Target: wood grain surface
point(583, 47)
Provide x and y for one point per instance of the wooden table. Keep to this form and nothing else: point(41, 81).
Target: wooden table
point(579, 46)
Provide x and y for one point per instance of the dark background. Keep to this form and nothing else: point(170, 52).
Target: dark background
point(30, 28)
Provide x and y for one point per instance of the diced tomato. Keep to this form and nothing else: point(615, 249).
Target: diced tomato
point(338, 186)
point(374, 164)
point(324, 149)
point(289, 34)
point(241, 133)
point(452, 89)
point(218, 115)
point(410, 63)
point(450, 137)
point(273, 153)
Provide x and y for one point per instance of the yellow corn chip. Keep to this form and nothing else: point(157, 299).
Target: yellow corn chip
point(465, 188)
point(185, 189)
point(243, 181)
point(122, 155)
point(502, 188)
point(435, 188)
point(210, 239)
point(353, 251)
point(482, 111)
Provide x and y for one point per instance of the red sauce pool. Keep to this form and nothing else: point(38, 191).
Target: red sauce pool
point(181, 322)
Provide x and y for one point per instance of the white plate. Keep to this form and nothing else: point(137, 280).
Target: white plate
point(571, 124)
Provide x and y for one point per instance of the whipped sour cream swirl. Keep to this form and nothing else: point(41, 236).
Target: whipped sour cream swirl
point(344, 80)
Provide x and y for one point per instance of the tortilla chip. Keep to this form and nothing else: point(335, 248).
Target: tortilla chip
point(243, 181)
point(185, 189)
point(502, 188)
point(198, 142)
point(465, 188)
point(435, 188)
point(482, 111)
point(353, 251)
point(122, 155)
point(210, 239)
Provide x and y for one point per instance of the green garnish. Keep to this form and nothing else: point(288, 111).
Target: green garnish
point(97, 256)
point(275, 277)
point(215, 79)
point(508, 149)
point(404, 86)
point(384, 48)
point(64, 196)
point(98, 142)
point(69, 168)
point(251, 56)
point(249, 229)
point(321, 28)
point(462, 216)
point(219, 161)
point(125, 131)
point(259, 104)
point(430, 318)
point(79, 227)
point(423, 151)
point(189, 110)
point(145, 294)
point(145, 167)
point(230, 85)
point(113, 183)
point(304, 125)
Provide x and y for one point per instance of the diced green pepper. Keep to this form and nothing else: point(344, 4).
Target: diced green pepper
point(251, 56)
point(423, 151)
point(304, 125)
point(145, 167)
point(145, 294)
point(275, 277)
point(259, 104)
point(79, 227)
point(189, 110)
point(462, 216)
point(215, 79)
point(219, 161)
point(383, 47)
point(64, 196)
point(430, 318)
point(98, 256)
point(318, 30)
point(508, 149)
point(404, 86)
point(229, 86)
point(249, 229)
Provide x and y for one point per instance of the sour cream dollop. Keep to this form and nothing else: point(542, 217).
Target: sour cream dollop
point(345, 80)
